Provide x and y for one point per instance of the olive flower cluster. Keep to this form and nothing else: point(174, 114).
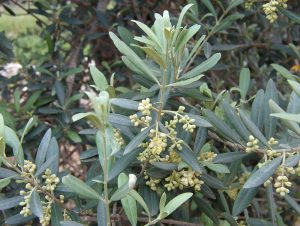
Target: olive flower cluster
point(207, 156)
point(270, 9)
point(162, 146)
point(252, 144)
point(48, 187)
point(184, 179)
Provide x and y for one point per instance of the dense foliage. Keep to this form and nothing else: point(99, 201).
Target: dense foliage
point(130, 113)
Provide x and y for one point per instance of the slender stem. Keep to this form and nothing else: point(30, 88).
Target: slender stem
point(105, 182)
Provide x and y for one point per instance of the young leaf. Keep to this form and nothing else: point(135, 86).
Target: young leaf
point(124, 49)
point(36, 205)
point(243, 199)
point(177, 202)
point(80, 187)
point(263, 173)
point(162, 202)
point(99, 78)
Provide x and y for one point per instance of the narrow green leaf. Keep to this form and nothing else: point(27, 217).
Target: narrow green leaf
point(80, 187)
point(60, 92)
point(118, 119)
point(124, 49)
point(229, 157)
point(206, 208)
point(253, 128)
point(98, 78)
point(91, 116)
point(70, 223)
point(140, 200)
point(10, 202)
point(243, 199)
point(137, 140)
point(219, 168)
point(53, 151)
point(36, 205)
point(235, 121)
point(42, 150)
point(262, 174)
point(284, 72)
point(101, 214)
point(270, 122)
point(179, 22)
point(186, 82)
point(125, 103)
point(200, 139)
point(292, 203)
point(177, 202)
point(56, 214)
point(285, 117)
point(210, 7)
point(4, 182)
point(294, 17)
point(244, 82)
point(271, 203)
point(222, 127)
point(204, 66)
point(45, 166)
point(234, 3)
point(257, 112)
point(122, 163)
point(19, 219)
point(295, 86)
point(128, 203)
point(189, 158)
point(162, 202)
point(212, 181)
point(12, 140)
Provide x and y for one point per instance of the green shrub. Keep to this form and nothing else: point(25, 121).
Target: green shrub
point(174, 145)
